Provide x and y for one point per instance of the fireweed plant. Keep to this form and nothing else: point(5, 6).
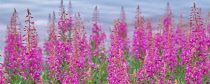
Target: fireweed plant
point(32, 61)
point(97, 49)
point(13, 46)
point(21, 51)
point(176, 54)
point(118, 65)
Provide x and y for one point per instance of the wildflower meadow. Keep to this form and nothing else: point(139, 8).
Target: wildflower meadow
point(165, 54)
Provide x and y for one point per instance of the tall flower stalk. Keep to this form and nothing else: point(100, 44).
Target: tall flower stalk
point(118, 66)
point(13, 46)
point(199, 49)
point(52, 50)
point(31, 56)
point(98, 58)
point(139, 38)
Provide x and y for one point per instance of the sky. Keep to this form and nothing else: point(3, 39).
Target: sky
point(108, 10)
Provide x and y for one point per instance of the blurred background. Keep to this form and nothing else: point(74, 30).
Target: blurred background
point(108, 11)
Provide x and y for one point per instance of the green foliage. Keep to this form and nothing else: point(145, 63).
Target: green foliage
point(100, 74)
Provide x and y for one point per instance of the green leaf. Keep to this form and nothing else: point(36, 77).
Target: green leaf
point(167, 76)
point(178, 58)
